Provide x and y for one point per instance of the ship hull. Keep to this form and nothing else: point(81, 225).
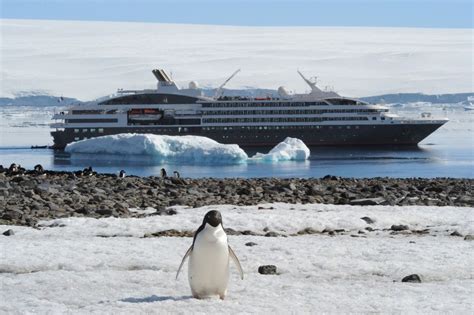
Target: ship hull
point(327, 135)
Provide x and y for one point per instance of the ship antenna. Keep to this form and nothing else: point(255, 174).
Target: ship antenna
point(312, 84)
point(219, 90)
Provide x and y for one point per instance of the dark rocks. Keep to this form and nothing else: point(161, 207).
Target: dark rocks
point(469, 237)
point(368, 220)
point(29, 196)
point(8, 232)
point(105, 212)
point(251, 244)
point(368, 201)
point(399, 227)
point(170, 233)
point(267, 270)
point(414, 278)
point(456, 233)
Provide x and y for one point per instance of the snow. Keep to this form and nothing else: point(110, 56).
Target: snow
point(287, 150)
point(86, 59)
point(191, 149)
point(69, 266)
point(184, 149)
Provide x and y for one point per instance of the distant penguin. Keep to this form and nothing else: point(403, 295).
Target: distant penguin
point(38, 169)
point(88, 171)
point(176, 174)
point(209, 255)
point(163, 173)
point(122, 174)
point(13, 168)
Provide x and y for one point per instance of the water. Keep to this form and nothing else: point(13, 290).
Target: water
point(449, 152)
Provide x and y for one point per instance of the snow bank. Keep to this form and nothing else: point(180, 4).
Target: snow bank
point(86, 265)
point(289, 149)
point(192, 149)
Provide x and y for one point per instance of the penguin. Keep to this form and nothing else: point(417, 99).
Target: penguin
point(209, 255)
point(38, 169)
point(176, 174)
point(163, 173)
point(88, 171)
point(122, 174)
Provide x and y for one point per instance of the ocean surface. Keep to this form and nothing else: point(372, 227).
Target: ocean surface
point(449, 152)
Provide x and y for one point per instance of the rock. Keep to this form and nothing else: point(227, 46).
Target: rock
point(308, 230)
point(8, 232)
point(267, 270)
point(414, 278)
point(250, 244)
point(368, 201)
point(272, 234)
point(469, 237)
point(367, 220)
point(456, 233)
point(399, 227)
point(105, 212)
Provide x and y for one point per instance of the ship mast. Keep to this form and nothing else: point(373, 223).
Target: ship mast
point(219, 90)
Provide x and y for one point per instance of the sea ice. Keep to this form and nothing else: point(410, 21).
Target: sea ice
point(192, 149)
point(288, 149)
point(187, 149)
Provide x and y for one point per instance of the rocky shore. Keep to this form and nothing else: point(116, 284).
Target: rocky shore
point(29, 196)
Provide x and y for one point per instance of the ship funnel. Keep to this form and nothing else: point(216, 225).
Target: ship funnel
point(161, 75)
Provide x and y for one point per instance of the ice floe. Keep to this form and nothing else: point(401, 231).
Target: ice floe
point(192, 149)
point(288, 149)
point(187, 149)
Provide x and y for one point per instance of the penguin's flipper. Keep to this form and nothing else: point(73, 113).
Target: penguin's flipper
point(184, 259)
point(236, 262)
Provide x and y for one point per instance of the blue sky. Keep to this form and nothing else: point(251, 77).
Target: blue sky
point(391, 13)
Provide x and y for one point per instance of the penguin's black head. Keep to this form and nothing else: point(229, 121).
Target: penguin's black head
point(213, 217)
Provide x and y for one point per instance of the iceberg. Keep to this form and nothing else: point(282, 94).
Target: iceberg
point(290, 149)
point(192, 149)
point(184, 149)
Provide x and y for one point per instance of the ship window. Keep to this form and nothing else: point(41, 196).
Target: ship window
point(374, 118)
point(84, 130)
point(76, 130)
point(383, 118)
point(93, 130)
point(76, 138)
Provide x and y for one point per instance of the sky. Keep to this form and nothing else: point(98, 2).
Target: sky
point(376, 13)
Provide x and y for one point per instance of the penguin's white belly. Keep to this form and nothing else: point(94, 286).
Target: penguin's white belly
point(208, 272)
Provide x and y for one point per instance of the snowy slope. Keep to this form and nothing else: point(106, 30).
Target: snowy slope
point(92, 59)
point(70, 265)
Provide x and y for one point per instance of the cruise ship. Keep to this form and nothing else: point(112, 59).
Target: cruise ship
point(318, 118)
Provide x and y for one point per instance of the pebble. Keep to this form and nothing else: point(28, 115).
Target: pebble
point(8, 232)
point(400, 227)
point(250, 244)
point(414, 278)
point(367, 220)
point(267, 270)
